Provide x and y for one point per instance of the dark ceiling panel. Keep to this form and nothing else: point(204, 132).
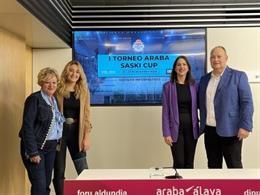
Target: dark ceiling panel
point(151, 2)
point(65, 16)
point(165, 15)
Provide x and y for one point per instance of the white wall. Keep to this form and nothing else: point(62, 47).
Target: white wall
point(55, 58)
point(130, 137)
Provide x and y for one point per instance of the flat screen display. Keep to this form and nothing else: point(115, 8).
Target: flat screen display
point(130, 67)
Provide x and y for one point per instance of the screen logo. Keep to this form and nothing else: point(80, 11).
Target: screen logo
point(138, 45)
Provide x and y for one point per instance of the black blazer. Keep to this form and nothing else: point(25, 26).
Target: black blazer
point(37, 118)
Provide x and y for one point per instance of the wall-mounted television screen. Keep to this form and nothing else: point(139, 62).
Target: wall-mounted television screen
point(130, 67)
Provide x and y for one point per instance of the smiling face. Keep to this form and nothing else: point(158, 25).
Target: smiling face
point(49, 85)
point(73, 73)
point(181, 68)
point(218, 59)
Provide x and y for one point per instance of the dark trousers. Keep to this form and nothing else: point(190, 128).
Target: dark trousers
point(183, 150)
point(218, 147)
point(40, 174)
point(70, 139)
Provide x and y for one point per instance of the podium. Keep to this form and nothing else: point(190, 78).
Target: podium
point(142, 182)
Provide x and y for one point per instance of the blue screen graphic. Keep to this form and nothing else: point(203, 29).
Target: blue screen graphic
point(130, 67)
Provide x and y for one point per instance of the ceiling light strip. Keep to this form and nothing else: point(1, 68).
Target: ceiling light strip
point(166, 15)
point(70, 6)
point(164, 5)
point(64, 8)
point(224, 9)
point(61, 14)
point(165, 26)
point(169, 21)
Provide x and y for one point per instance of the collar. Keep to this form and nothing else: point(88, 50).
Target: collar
point(46, 98)
point(218, 76)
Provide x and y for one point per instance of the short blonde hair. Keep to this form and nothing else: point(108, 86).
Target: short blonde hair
point(47, 73)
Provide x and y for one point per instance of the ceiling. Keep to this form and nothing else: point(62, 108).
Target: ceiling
point(150, 2)
point(16, 19)
point(65, 16)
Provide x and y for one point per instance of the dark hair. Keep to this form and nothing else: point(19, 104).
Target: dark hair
point(189, 78)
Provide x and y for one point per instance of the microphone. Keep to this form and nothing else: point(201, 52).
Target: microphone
point(175, 176)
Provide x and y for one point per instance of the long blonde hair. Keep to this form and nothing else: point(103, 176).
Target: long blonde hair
point(81, 86)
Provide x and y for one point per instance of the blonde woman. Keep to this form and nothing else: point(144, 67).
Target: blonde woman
point(73, 100)
point(40, 132)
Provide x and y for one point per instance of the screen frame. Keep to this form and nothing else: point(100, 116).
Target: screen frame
point(137, 29)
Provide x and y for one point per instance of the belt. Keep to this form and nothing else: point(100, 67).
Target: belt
point(53, 141)
point(51, 145)
point(70, 121)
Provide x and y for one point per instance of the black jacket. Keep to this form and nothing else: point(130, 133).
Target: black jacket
point(37, 118)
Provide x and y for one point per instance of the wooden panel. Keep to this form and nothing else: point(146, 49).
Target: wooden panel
point(13, 57)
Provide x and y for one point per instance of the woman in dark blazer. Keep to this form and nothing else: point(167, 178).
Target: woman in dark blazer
point(179, 114)
point(40, 132)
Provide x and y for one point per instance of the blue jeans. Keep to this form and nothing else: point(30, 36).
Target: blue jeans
point(69, 140)
point(40, 174)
